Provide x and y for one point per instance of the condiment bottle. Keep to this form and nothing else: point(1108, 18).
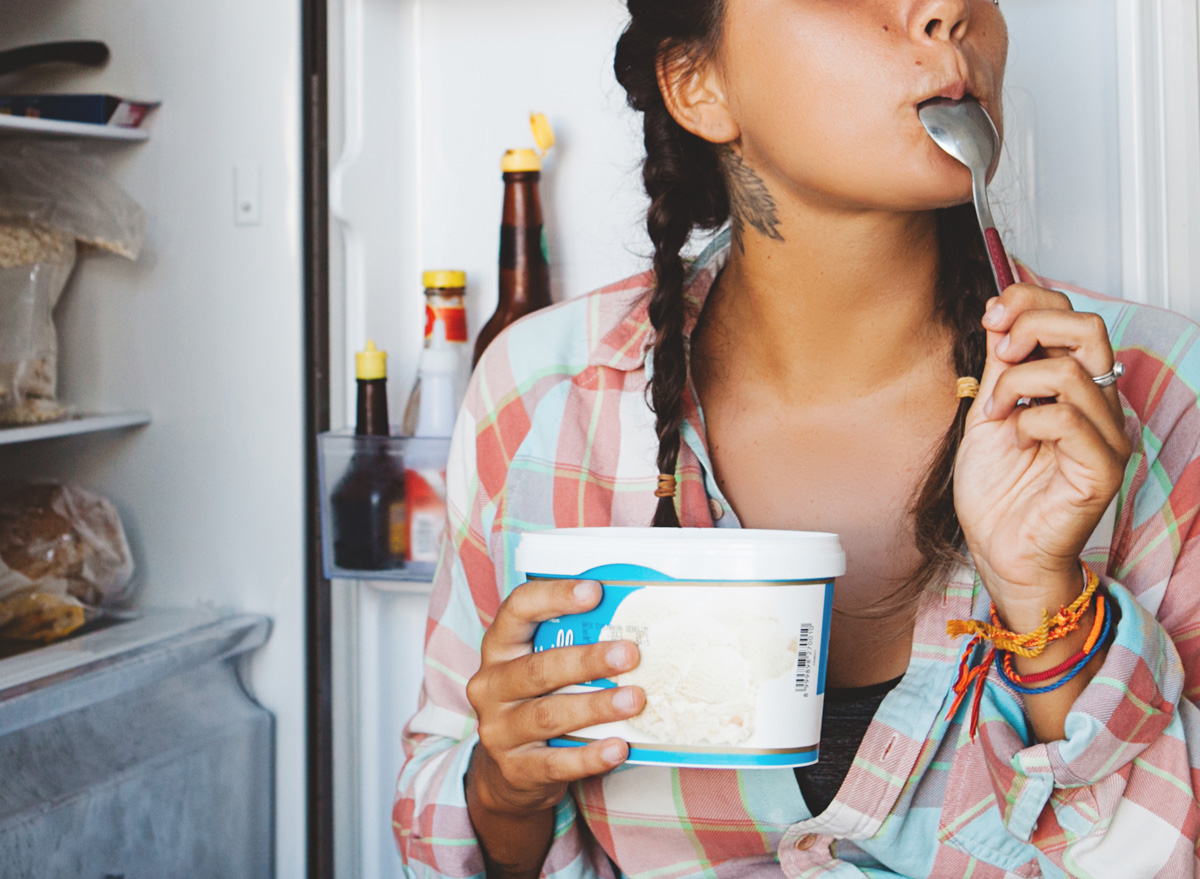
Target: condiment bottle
point(370, 525)
point(524, 266)
point(425, 458)
point(445, 328)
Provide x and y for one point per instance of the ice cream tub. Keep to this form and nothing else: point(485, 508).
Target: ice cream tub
point(732, 627)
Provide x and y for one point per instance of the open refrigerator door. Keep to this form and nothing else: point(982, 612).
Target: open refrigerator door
point(1098, 186)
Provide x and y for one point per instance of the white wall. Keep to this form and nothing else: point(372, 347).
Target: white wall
point(205, 331)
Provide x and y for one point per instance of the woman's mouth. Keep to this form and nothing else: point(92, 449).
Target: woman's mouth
point(956, 90)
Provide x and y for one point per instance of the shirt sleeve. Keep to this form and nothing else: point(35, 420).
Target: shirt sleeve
point(1126, 777)
point(431, 824)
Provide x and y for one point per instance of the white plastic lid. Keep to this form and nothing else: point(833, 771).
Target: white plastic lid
point(685, 553)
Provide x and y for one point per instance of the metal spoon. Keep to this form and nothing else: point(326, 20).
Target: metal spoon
point(965, 130)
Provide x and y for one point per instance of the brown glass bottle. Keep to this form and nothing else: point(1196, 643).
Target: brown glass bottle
point(368, 504)
point(524, 267)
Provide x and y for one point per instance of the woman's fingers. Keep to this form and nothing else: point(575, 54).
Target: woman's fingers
point(1085, 458)
point(1031, 324)
point(1004, 309)
point(564, 765)
point(531, 603)
point(1066, 380)
point(537, 720)
point(1080, 335)
point(1002, 312)
point(537, 674)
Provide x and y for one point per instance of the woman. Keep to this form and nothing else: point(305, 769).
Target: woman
point(803, 373)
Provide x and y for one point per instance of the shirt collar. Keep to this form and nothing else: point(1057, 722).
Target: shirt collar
point(627, 346)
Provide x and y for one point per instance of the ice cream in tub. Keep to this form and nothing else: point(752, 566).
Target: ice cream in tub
point(732, 626)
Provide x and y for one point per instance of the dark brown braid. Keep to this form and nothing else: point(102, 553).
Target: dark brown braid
point(687, 190)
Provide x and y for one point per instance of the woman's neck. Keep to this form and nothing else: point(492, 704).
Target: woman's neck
point(844, 304)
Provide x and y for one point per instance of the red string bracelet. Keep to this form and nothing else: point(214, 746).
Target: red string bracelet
point(1064, 667)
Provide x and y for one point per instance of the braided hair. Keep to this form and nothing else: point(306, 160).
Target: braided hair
point(685, 182)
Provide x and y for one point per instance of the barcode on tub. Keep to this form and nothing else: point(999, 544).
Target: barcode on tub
point(804, 658)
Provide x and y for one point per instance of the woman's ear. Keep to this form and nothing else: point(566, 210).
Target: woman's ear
point(695, 97)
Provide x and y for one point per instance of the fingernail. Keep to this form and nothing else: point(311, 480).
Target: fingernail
point(613, 754)
point(623, 700)
point(995, 315)
point(585, 591)
point(989, 406)
point(618, 655)
point(1003, 344)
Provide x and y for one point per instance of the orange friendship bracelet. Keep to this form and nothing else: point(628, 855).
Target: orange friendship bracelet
point(1028, 645)
point(1031, 644)
point(1062, 668)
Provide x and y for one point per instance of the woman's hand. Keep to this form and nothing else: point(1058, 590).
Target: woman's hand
point(513, 771)
point(1033, 481)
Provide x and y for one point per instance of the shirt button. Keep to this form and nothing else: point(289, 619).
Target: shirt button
point(806, 842)
point(717, 509)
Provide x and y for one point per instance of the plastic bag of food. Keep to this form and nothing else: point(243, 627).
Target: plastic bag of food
point(52, 197)
point(35, 264)
point(63, 558)
point(59, 186)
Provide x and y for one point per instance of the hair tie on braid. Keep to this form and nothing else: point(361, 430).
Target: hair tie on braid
point(666, 486)
point(968, 388)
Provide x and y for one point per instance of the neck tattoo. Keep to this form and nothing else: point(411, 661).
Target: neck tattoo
point(750, 202)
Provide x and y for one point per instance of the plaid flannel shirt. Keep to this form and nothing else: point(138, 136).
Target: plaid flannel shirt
point(556, 432)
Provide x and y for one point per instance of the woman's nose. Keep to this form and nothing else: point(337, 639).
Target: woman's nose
point(941, 20)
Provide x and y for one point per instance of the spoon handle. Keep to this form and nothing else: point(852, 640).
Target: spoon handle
point(1000, 266)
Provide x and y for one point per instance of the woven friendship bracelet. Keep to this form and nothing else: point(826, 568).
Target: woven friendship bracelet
point(1079, 666)
point(1028, 645)
point(1031, 644)
point(1094, 640)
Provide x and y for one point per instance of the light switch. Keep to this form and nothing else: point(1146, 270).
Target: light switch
point(247, 194)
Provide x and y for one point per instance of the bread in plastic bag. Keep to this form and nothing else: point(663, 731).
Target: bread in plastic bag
point(63, 557)
point(39, 617)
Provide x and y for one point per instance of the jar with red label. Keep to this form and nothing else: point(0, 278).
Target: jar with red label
point(445, 329)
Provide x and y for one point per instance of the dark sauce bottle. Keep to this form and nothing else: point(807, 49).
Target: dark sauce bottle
point(524, 266)
point(369, 521)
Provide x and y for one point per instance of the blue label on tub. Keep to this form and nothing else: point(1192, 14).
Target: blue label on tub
point(583, 628)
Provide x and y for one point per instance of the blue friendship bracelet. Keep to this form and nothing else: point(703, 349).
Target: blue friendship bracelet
point(1037, 691)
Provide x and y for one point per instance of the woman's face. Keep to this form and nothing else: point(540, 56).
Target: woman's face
point(825, 94)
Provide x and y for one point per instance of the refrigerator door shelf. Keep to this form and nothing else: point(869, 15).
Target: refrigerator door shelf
point(383, 502)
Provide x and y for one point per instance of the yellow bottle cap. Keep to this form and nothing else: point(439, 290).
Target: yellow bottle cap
point(517, 161)
point(524, 160)
point(370, 364)
point(444, 279)
point(543, 133)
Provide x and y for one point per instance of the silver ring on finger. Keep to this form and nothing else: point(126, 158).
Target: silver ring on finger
point(1110, 378)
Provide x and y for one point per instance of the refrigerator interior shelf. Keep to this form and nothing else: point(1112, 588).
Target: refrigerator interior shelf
point(72, 427)
point(23, 124)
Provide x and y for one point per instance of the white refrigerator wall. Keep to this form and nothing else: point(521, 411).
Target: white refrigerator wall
point(1098, 188)
point(204, 331)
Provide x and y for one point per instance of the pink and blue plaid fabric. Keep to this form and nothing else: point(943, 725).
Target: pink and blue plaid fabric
point(556, 432)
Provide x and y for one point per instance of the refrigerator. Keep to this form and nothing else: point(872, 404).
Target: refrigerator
point(310, 160)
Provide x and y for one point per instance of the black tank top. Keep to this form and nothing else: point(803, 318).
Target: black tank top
point(847, 713)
